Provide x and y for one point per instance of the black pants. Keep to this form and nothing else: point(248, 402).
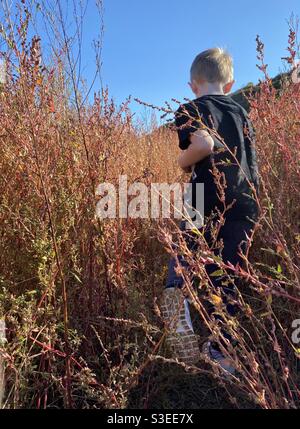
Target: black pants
point(233, 234)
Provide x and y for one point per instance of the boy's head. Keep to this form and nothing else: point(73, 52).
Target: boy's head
point(212, 68)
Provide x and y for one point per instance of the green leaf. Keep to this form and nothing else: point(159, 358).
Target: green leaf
point(217, 273)
point(267, 313)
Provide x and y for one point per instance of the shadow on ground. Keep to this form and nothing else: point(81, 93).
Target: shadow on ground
point(168, 386)
point(164, 385)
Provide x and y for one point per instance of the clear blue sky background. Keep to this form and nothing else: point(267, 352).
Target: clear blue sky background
point(149, 45)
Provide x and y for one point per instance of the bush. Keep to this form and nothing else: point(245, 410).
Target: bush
point(79, 295)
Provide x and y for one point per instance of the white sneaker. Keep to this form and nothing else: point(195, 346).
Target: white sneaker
point(181, 337)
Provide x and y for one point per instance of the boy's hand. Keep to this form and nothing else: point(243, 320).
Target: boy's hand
point(202, 145)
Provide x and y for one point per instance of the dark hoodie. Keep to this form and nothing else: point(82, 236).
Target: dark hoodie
point(231, 121)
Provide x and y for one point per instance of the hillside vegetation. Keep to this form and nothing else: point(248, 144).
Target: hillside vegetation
point(79, 295)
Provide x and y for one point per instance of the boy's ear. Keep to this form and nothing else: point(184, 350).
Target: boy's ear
point(228, 86)
point(192, 85)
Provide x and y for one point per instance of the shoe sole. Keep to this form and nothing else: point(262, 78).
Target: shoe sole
point(183, 344)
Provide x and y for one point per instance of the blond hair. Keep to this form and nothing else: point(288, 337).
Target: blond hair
point(213, 65)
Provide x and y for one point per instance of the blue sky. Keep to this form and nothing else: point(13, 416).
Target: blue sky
point(149, 45)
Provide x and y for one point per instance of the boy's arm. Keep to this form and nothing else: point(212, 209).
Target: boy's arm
point(201, 146)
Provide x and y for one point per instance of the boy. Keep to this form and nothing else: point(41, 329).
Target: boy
point(211, 79)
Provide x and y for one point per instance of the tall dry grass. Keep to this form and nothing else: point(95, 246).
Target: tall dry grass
point(79, 295)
